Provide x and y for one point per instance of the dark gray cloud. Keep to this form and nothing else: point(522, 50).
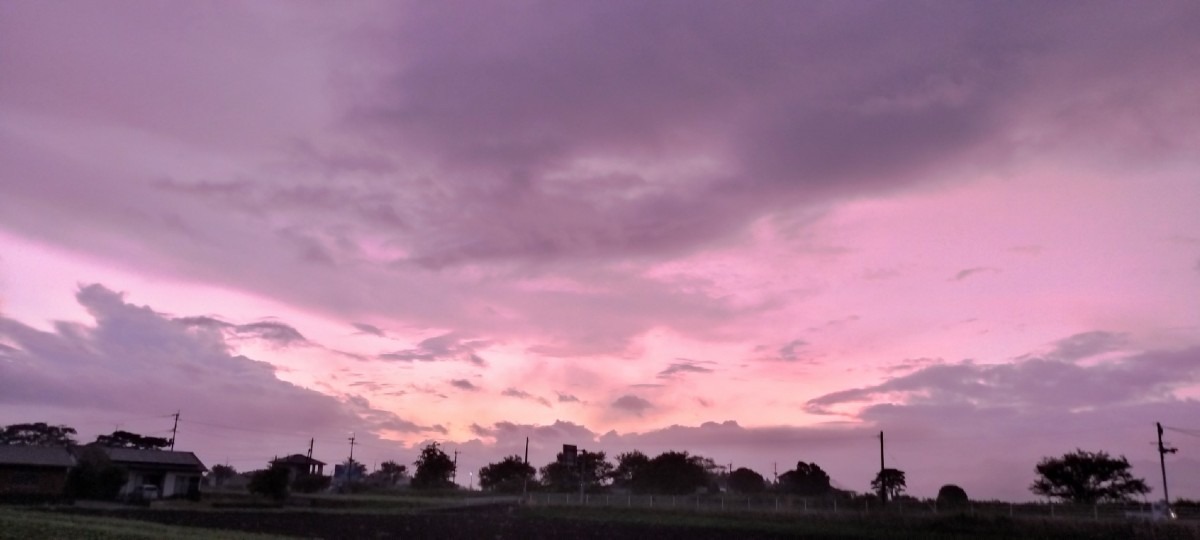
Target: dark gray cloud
point(519, 394)
point(369, 329)
point(567, 398)
point(134, 361)
point(274, 332)
point(683, 366)
point(633, 404)
point(968, 272)
point(1037, 383)
point(446, 347)
point(463, 384)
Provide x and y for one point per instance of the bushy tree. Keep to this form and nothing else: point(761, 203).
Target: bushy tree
point(952, 497)
point(272, 482)
point(1087, 477)
point(889, 483)
point(311, 483)
point(435, 469)
point(590, 468)
point(629, 464)
point(672, 473)
point(508, 475)
point(222, 474)
point(389, 473)
point(37, 434)
point(744, 480)
point(806, 479)
point(94, 476)
point(125, 439)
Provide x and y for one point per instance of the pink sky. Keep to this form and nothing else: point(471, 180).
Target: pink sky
point(758, 232)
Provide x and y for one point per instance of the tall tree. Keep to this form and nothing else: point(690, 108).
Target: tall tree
point(592, 469)
point(889, 481)
point(508, 475)
point(672, 473)
point(1087, 477)
point(125, 439)
point(37, 434)
point(744, 480)
point(435, 469)
point(806, 479)
point(629, 464)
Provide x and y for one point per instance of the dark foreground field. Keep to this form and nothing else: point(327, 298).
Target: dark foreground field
point(576, 523)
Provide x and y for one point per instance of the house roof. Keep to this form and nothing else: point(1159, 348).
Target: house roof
point(158, 458)
point(37, 456)
point(298, 459)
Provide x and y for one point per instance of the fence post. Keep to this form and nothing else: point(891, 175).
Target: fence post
point(806, 505)
point(672, 501)
point(722, 502)
point(652, 501)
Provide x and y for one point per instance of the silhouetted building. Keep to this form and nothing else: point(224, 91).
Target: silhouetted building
point(34, 472)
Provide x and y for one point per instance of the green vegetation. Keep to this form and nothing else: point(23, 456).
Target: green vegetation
point(19, 524)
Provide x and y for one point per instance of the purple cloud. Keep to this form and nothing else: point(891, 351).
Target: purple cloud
point(633, 404)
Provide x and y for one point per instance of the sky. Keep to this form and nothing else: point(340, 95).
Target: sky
point(760, 232)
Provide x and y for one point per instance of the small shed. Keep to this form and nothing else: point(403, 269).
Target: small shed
point(299, 465)
point(158, 473)
point(34, 472)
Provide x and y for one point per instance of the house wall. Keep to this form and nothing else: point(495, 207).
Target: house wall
point(20, 480)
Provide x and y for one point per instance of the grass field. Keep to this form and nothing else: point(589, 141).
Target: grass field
point(25, 524)
point(368, 516)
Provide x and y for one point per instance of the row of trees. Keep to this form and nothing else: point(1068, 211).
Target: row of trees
point(43, 434)
point(1079, 476)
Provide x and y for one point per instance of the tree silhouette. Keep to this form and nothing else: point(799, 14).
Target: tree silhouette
point(672, 473)
point(1087, 477)
point(94, 476)
point(951, 497)
point(390, 473)
point(508, 475)
point(806, 479)
point(125, 439)
point(592, 467)
point(434, 469)
point(37, 434)
point(629, 464)
point(272, 482)
point(744, 480)
point(222, 474)
point(890, 482)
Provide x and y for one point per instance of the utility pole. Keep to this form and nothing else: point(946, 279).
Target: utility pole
point(174, 429)
point(455, 478)
point(351, 450)
point(775, 467)
point(882, 478)
point(525, 483)
point(310, 463)
point(1162, 462)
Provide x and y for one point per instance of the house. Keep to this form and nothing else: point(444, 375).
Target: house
point(299, 465)
point(34, 472)
point(157, 474)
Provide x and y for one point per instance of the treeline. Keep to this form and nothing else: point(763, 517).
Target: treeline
point(1079, 476)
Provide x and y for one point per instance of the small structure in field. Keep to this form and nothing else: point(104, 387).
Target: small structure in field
point(34, 472)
